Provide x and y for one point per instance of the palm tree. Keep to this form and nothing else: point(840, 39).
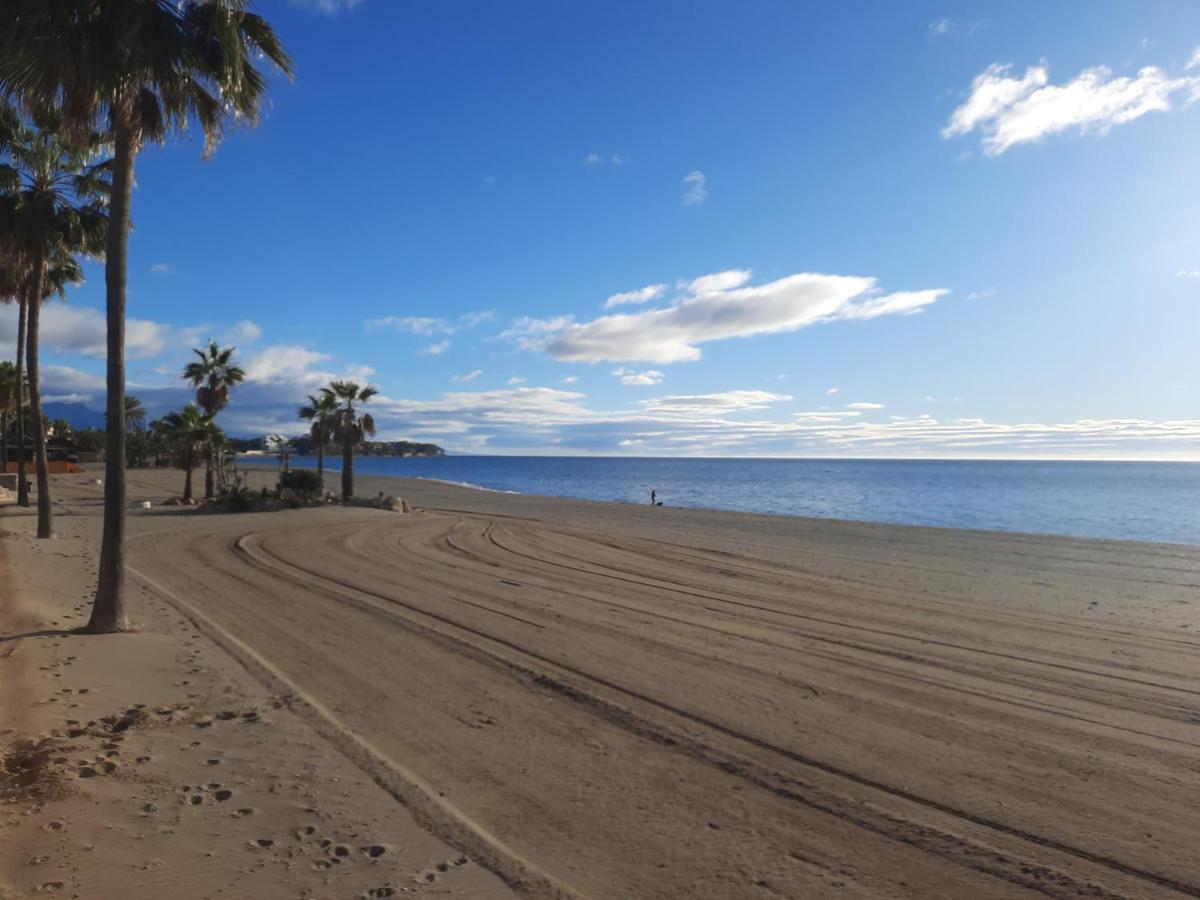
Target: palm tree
point(51, 209)
point(213, 377)
point(320, 410)
point(349, 427)
point(147, 68)
point(135, 413)
point(8, 405)
point(191, 433)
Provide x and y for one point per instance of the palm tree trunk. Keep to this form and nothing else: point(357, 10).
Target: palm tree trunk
point(208, 475)
point(347, 466)
point(45, 515)
point(321, 454)
point(187, 480)
point(108, 608)
point(22, 328)
point(4, 441)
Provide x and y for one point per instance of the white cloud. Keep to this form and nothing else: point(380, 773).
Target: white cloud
point(940, 27)
point(570, 379)
point(65, 384)
point(1008, 111)
point(593, 159)
point(981, 295)
point(80, 330)
point(244, 332)
point(1194, 62)
point(864, 406)
point(329, 7)
point(832, 390)
point(436, 349)
point(672, 334)
point(469, 376)
point(282, 362)
point(631, 377)
point(161, 268)
point(641, 295)
point(695, 188)
point(517, 379)
point(1188, 273)
point(709, 404)
point(617, 160)
point(719, 281)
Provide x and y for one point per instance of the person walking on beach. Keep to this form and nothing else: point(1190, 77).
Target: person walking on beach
point(653, 495)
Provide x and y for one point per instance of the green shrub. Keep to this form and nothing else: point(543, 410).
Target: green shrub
point(301, 483)
point(237, 498)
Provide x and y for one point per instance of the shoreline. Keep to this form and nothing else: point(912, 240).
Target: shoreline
point(380, 482)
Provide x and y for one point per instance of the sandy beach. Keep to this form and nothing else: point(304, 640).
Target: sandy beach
point(503, 694)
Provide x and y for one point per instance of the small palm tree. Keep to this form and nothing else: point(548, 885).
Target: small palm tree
point(9, 405)
point(145, 69)
point(349, 426)
point(12, 291)
point(135, 413)
point(190, 433)
point(213, 376)
point(321, 409)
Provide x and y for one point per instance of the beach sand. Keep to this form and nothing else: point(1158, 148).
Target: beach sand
point(512, 694)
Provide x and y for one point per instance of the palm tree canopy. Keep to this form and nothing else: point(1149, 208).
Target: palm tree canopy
point(156, 65)
point(8, 384)
point(213, 375)
point(187, 426)
point(320, 409)
point(52, 194)
point(347, 422)
point(134, 411)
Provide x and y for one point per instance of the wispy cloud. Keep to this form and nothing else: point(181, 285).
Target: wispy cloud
point(632, 377)
point(1008, 111)
point(695, 188)
point(517, 379)
point(726, 307)
point(1188, 273)
point(940, 27)
point(329, 7)
point(981, 295)
point(426, 326)
point(1194, 61)
point(469, 376)
point(832, 390)
point(864, 405)
point(570, 379)
point(641, 295)
point(161, 268)
point(597, 159)
point(436, 349)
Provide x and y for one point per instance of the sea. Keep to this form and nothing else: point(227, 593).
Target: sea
point(1139, 501)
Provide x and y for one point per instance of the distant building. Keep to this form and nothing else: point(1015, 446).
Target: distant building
point(273, 443)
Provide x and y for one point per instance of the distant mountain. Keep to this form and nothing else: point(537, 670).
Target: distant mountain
point(79, 415)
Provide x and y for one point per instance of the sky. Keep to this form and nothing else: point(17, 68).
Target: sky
point(688, 227)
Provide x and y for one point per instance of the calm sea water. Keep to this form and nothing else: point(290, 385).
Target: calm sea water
point(1123, 500)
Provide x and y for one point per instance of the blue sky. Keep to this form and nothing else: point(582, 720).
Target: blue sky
point(943, 229)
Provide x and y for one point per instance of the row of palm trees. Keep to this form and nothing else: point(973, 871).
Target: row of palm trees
point(335, 416)
point(99, 77)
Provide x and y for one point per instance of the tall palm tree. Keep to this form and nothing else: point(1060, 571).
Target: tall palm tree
point(349, 426)
point(321, 409)
point(12, 291)
point(147, 68)
point(51, 209)
point(190, 432)
point(213, 376)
